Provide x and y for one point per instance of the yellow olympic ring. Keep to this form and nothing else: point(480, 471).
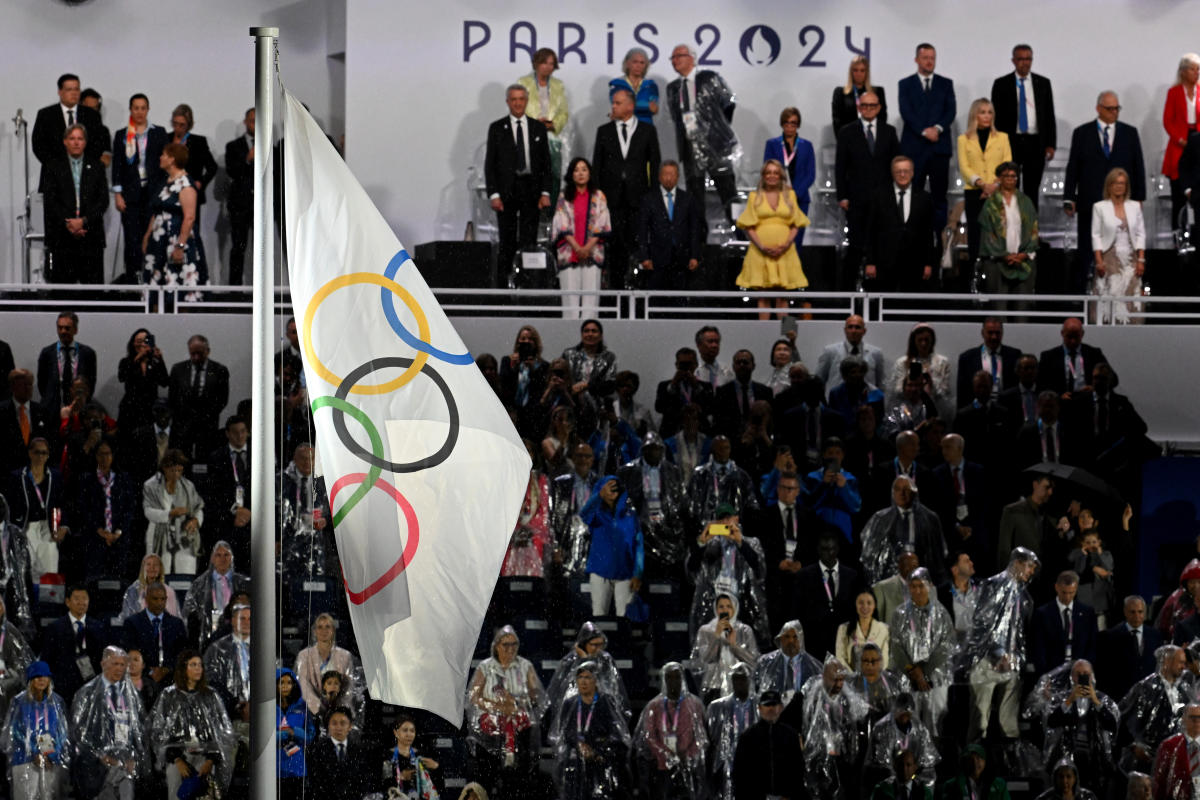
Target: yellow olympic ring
point(353, 278)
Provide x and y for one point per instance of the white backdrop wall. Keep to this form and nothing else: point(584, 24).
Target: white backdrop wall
point(199, 54)
point(449, 61)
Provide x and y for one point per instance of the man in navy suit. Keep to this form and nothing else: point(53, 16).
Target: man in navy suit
point(1063, 629)
point(72, 645)
point(731, 408)
point(1068, 368)
point(901, 247)
point(680, 390)
point(1097, 148)
point(516, 170)
point(1024, 104)
point(59, 364)
point(76, 197)
point(865, 149)
point(239, 201)
point(927, 107)
point(53, 120)
point(158, 635)
point(670, 231)
point(136, 176)
point(960, 494)
point(827, 589)
point(1001, 362)
point(1127, 650)
point(625, 167)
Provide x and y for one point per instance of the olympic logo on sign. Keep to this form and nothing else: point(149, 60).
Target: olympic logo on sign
point(338, 404)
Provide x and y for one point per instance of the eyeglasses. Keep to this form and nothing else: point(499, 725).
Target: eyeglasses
point(868, 105)
point(1111, 108)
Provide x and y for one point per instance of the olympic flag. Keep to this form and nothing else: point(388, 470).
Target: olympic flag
point(426, 473)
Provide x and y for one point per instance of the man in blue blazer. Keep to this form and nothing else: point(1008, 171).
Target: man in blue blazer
point(1051, 641)
point(158, 635)
point(927, 107)
point(1097, 147)
point(59, 364)
point(136, 176)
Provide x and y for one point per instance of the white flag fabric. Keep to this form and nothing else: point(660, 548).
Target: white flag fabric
point(424, 469)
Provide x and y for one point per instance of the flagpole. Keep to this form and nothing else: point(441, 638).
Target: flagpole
point(262, 426)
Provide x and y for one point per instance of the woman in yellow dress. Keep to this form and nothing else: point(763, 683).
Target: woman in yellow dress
point(772, 219)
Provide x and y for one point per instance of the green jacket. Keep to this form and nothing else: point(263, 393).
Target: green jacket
point(956, 789)
point(992, 229)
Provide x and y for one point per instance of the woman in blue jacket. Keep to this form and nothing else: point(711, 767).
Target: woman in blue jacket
point(294, 729)
point(615, 555)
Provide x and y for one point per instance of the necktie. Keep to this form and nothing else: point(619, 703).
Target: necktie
point(1137, 637)
point(522, 164)
point(341, 751)
point(871, 138)
point(68, 373)
point(157, 627)
point(1027, 402)
point(829, 580)
point(1102, 419)
point(70, 116)
point(624, 134)
point(162, 443)
point(905, 525)
point(789, 675)
point(1193, 758)
point(23, 420)
point(1107, 142)
point(900, 205)
point(957, 484)
point(789, 523)
point(1022, 113)
point(112, 693)
point(196, 373)
point(1067, 622)
point(686, 100)
point(241, 466)
point(78, 635)
point(928, 81)
point(1051, 450)
point(671, 205)
point(854, 350)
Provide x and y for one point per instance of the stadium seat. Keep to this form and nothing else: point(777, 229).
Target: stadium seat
point(520, 596)
point(671, 640)
point(105, 597)
point(663, 597)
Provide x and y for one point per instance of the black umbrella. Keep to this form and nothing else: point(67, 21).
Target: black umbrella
point(1080, 478)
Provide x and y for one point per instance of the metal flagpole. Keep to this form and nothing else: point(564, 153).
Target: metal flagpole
point(262, 452)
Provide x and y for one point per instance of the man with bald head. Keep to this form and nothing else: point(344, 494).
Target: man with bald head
point(1068, 368)
point(865, 149)
point(831, 357)
point(1098, 147)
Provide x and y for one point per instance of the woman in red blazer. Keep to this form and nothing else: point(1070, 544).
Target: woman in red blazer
point(1181, 113)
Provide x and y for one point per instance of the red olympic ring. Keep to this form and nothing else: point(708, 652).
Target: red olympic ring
point(410, 547)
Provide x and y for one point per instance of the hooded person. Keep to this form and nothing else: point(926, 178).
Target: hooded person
point(904, 780)
point(15, 580)
point(876, 686)
point(616, 553)
point(902, 730)
point(726, 719)
point(38, 738)
point(1078, 721)
point(505, 701)
point(830, 732)
point(591, 741)
point(721, 643)
point(786, 670)
point(1181, 603)
point(15, 656)
point(923, 646)
point(671, 741)
point(295, 728)
point(108, 732)
point(719, 481)
point(727, 560)
point(655, 488)
point(192, 737)
point(590, 645)
point(1064, 784)
point(905, 522)
point(995, 653)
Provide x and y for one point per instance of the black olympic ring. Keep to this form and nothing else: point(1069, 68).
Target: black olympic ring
point(339, 417)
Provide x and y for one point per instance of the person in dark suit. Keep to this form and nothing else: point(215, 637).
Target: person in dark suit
point(1024, 104)
point(1021, 397)
point(22, 421)
point(156, 633)
point(985, 424)
point(62, 362)
point(71, 642)
point(75, 197)
point(7, 365)
point(227, 491)
point(1051, 640)
point(1001, 362)
point(50, 126)
point(625, 163)
point(1068, 368)
point(239, 200)
point(1049, 438)
point(516, 170)
point(701, 107)
point(1097, 148)
point(339, 766)
point(201, 166)
point(731, 408)
point(680, 390)
point(1024, 523)
point(135, 178)
point(960, 494)
point(1127, 650)
point(90, 98)
point(1108, 423)
point(807, 424)
point(147, 444)
point(847, 98)
point(106, 502)
point(670, 232)
point(862, 166)
point(927, 106)
point(788, 533)
point(901, 246)
point(827, 590)
point(197, 394)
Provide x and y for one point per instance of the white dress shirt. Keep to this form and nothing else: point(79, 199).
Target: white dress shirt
point(691, 89)
point(630, 126)
point(1012, 223)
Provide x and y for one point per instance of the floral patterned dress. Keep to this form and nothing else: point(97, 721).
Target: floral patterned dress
point(167, 220)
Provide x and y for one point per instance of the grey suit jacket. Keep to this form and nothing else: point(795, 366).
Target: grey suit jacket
point(830, 361)
point(890, 594)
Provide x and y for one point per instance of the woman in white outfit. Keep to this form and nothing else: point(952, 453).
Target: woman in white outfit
point(175, 512)
point(1119, 245)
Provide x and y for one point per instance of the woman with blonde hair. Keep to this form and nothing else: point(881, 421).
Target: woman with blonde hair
point(548, 105)
point(772, 220)
point(981, 149)
point(1181, 116)
point(135, 596)
point(1119, 247)
point(846, 98)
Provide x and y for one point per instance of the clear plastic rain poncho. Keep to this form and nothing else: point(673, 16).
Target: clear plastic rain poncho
point(886, 533)
point(568, 495)
point(1002, 614)
point(532, 543)
point(108, 724)
point(15, 575)
point(876, 686)
point(726, 719)
point(1152, 708)
point(779, 672)
point(713, 654)
point(185, 724)
point(712, 484)
point(656, 491)
point(227, 667)
point(670, 736)
point(902, 730)
point(608, 677)
point(1067, 723)
point(725, 567)
point(503, 702)
point(15, 656)
point(708, 128)
point(38, 726)
point(923, 637)
point(302, 502)
point(591, 744)
point(1078, 793)
point(830, 733)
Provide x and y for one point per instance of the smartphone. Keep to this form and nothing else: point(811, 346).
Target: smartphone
point(719, 530)
point(150, 340)
point(787, 325)
point(526, 350)
point(914, 371)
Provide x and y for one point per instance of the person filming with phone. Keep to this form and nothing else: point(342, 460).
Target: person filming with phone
point(1081, 724)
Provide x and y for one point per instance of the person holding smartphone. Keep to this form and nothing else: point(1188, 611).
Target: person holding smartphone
point(721, 644)
point(1081, 724)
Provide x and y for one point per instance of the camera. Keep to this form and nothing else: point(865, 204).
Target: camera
point(1085, 680)
point(526, 350)
point(914, 371)
point(150, 340)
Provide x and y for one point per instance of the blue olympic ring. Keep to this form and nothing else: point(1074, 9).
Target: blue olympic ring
point(389, 311)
